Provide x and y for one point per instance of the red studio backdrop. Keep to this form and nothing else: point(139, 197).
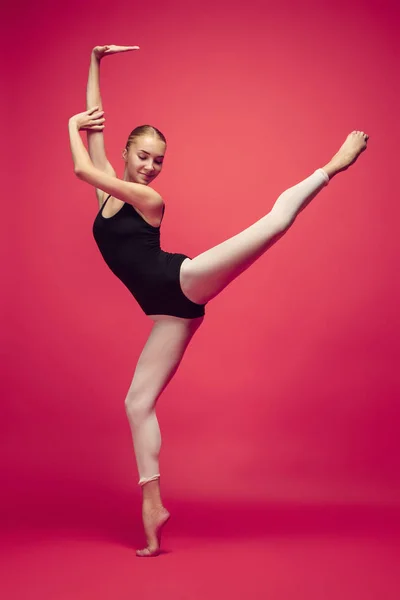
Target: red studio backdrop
point(288, 395)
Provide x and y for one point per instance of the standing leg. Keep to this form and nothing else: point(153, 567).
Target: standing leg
point(157, 364)
point(206, 275)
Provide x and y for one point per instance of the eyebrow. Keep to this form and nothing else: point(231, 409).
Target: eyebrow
point(159, 156)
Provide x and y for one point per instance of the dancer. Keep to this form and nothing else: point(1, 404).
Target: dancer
point(172, 289)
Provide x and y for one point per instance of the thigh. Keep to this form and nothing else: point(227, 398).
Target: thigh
point(161, 356)
point(206, 275)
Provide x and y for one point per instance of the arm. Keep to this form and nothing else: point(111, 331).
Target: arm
point(95, 139)
point(141, 196)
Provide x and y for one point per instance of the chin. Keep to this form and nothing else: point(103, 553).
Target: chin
point(143, 180)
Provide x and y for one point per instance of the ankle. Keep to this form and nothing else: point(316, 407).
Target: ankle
point(151, 493)
point(331, 169)
point(149, 506)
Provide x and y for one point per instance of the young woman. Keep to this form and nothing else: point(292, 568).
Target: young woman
point(172, 289)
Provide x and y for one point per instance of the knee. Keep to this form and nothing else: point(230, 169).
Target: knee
point(137, 407)
point(281, 220)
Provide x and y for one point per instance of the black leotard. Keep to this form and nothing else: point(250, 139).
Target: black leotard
point(131, 248)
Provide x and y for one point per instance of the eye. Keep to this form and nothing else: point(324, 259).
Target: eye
point(158, 162)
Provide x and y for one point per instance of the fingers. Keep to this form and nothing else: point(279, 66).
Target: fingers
point(92, 110)
point(94, 119)
point(111, 49)
point(91, 127)
point(93, 123)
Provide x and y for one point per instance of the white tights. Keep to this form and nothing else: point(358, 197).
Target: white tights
point(293, 200)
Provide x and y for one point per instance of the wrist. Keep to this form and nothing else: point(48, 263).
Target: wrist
point(73, 125)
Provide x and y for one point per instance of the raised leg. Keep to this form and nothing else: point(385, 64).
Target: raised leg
point(206, 275)
point(156, 366)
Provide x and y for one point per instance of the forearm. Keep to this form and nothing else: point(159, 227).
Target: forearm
point(93, 96)
point(80, 156)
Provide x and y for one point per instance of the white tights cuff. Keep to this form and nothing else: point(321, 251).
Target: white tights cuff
point(324, 175)
point(144, 480)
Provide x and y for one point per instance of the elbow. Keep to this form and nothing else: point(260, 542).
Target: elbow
point(156, 199)
point(79, 172)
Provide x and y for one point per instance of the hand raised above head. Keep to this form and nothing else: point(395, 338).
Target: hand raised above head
point(101, 51)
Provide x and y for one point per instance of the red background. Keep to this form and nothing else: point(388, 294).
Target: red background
point(285, 409)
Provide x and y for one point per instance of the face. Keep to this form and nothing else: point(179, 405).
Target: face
point(144, 158)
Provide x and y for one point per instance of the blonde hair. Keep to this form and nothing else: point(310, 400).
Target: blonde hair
point(144, 130)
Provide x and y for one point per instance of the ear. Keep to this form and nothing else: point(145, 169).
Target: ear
point(125, 154)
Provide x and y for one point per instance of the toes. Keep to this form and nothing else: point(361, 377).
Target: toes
point(361, 134)
point(148, 552)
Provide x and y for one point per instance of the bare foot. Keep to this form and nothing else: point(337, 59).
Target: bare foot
point(154, 520)
point(355, 143)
